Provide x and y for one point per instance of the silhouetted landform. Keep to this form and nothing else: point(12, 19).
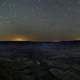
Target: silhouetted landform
point(41, 42)
point(29, 60)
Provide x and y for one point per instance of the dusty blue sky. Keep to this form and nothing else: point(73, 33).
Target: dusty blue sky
point(47, 19)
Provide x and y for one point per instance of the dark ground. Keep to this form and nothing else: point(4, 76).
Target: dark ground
point(40, 61)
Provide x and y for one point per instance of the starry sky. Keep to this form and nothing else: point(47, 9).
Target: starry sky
point(42, 19)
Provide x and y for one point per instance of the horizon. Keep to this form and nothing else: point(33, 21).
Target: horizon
point(31, 38)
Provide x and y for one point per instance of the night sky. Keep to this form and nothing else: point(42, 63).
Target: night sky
point(42, 19)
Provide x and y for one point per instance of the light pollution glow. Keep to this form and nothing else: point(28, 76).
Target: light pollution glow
point(15, 38)
point(30, 38)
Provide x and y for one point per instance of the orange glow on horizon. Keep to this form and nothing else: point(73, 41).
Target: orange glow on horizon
point(35, 38)
point(15, 38)
point(19, 39)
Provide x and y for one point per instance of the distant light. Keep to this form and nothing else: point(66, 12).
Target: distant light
point(19, 39)
point(56, 40)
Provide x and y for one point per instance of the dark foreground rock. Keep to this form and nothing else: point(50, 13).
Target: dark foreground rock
point(41, 61)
